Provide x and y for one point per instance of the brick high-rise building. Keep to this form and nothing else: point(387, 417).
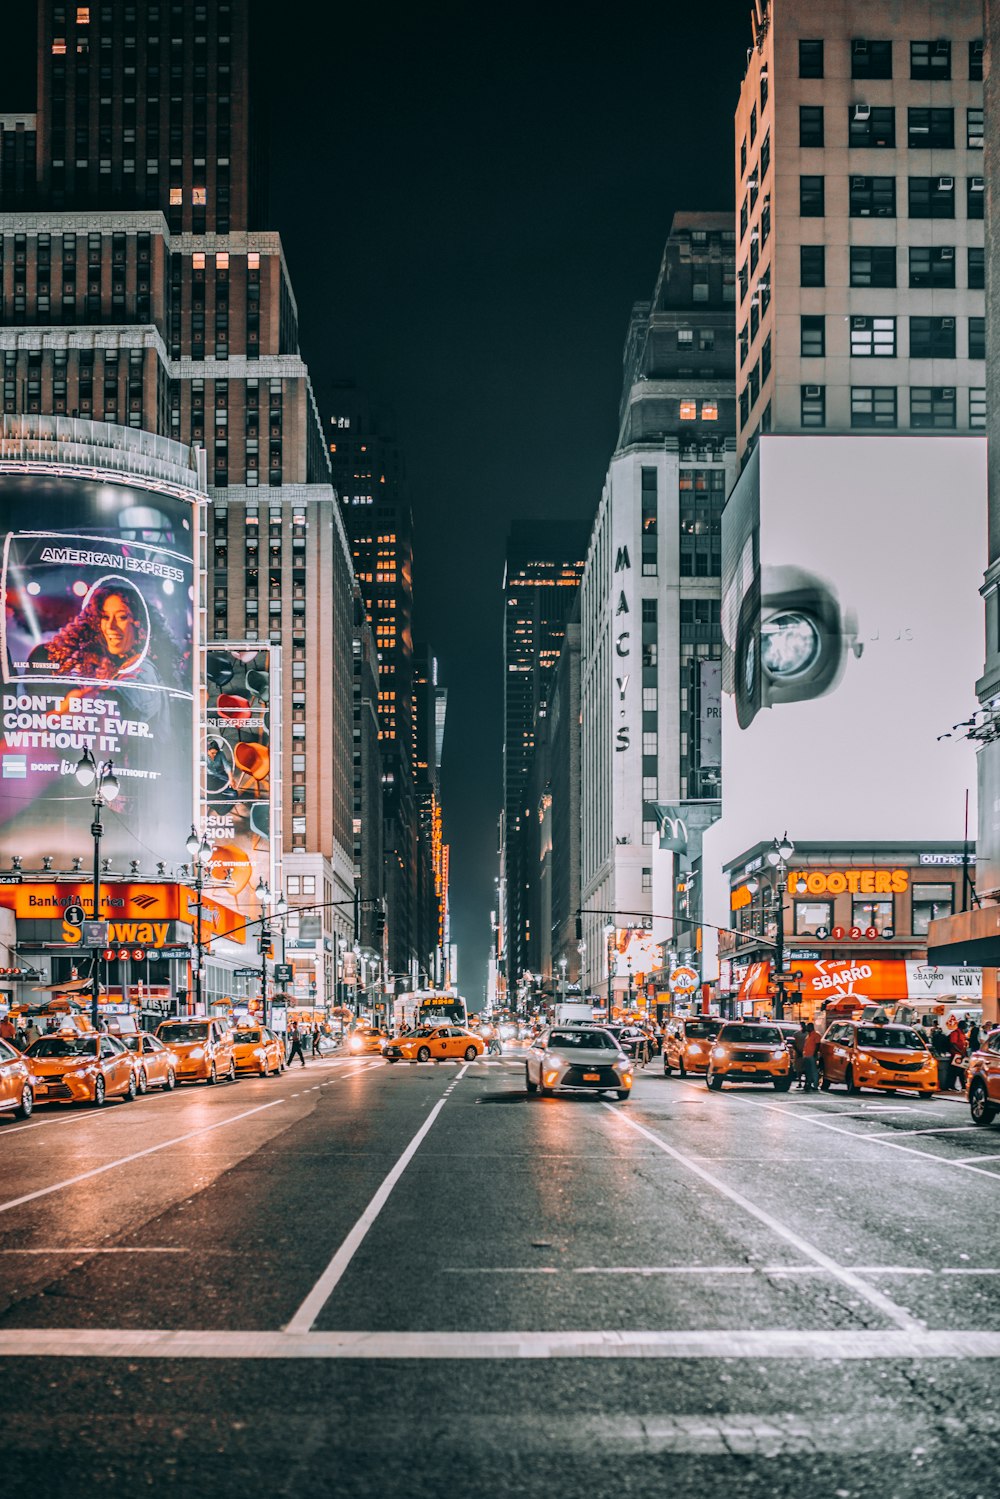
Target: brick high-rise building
point(139, 285)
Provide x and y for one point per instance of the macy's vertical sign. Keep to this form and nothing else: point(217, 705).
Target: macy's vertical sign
point(623, 649)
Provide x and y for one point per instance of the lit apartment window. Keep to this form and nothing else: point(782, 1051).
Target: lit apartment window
point(932, 406)
point(813, 405)
point(710, 409)
point(873, 338)
point(930, 59)
point(199, 196)
point(176, 197)
point(932, 265)
point(688, 409)
point(873, 406)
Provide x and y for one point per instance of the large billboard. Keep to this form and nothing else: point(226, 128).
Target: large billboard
point(97, 647)
point(242, 770)
point(852, 638)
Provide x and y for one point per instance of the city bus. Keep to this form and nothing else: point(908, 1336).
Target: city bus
point(428, 1007)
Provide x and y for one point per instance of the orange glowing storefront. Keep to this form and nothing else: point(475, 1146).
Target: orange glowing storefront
point(853, 928)
point(152, 934)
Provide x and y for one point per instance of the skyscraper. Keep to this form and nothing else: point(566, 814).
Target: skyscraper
point(541, 578)
point(143, 288)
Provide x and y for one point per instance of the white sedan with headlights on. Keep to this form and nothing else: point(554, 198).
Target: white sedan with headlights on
point(581, 1059)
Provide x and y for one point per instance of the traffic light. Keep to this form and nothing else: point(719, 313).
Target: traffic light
point(379, 925)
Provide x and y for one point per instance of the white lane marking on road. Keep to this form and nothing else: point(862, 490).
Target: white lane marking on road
point(649, 1270)
point(874, 1297)
point(940, 1129)
point(138, 1155)
point(721, 1344)
point(971, 1160)
point(324, 1288)
point(870, 1139)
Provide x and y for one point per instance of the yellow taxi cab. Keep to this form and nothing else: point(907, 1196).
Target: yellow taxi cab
point(883, 1057)
point(258, 1050)
point(157, 1064)
point(203, 1047)
point(365, 1040)
point(749, 1052)
point(16, 1096)
point(688, 1044)
point(983, 1081)
point(435, 1043)
point(81, 1067)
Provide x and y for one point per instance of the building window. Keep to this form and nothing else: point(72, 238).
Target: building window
point(688, 410)
point(743, 157)
point(810, 59)
point(873, 197)
point(974, 129)
point(869, 125)
point(702, 494)
point(932, 338)
point(932, 197)
point(813, 917)
point(871, 59)
point(647, 881)
point(810, 125)
point(873, 265)
point(685, 338)
point(977, 338)
point(873, 338)
point(977, 268)
point(706, 340)
point(932, 265)
point(812, 337)
point(699, 286)
point(931, 903)
point(649, 611)
point(710, 411)
point(811, 197)
point(765, 359)
point(873, 406)
point(976, 61)
point(933, 128)
point(872, 915)
point(975, 194)
point(648, 831)
point(932, 406)
point(930, 59)
point(812, 265)
point(649, 699)
point(813, 405)
point(649, 742)
point(977, 406)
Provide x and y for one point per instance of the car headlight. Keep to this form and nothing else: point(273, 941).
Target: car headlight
point(777, 1055)
point(196, 1053)
point(719, 1053)
point(355, 1044)
point(863, 1056)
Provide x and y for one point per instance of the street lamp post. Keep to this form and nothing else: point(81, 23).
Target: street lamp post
point(200, 851)
point(105, 783)
point(562, 980)
point(778, 856)
point(609, 932)
point(263, 895)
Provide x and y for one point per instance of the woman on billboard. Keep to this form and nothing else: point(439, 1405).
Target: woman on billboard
point(109, 640)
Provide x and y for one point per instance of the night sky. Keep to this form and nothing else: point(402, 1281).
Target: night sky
point(471, 198)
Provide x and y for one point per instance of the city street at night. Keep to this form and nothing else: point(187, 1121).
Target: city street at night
point(418, 1279)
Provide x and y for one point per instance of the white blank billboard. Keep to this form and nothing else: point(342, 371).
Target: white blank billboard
point(853, 638)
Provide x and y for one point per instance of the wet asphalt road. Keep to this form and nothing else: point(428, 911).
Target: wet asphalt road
point(415, 1280)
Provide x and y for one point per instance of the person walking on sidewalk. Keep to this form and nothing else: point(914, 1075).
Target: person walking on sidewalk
point(295, 1036)
point(810, 1063)
point(798, 1042)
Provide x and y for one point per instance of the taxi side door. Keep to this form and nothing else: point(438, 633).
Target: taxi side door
point(117, 1065)
point(991, 1068)
point(834, 1049)
point(154, 1059)
point(12, 1070)
point(440, 1042)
